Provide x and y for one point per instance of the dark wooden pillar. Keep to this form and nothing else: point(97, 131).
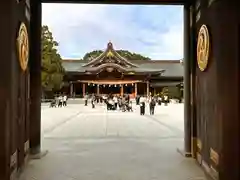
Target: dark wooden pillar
point(193, 63)
point(225, 42)
point(98, 92)
point(148, 88)
point(217, 90)
point(5, 81)
point(136, 89)
point(84, 89)
point(35, 78)
point(71, 89)
point(122, 90)
point(187, 84)
point(74, 90)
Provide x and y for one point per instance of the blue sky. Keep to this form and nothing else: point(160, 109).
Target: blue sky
point(153, 31)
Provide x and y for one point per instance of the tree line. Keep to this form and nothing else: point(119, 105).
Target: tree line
point(124, 53)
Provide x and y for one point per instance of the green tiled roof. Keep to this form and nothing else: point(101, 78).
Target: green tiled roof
point(172, 68)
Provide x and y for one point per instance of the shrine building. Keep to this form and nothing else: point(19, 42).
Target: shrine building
point(110, 73)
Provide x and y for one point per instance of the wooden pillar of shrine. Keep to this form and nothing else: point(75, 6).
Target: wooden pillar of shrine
point(98, 90)
point(228, 59)
point(122, 90)
point(136, 89)
point(217, 90)
point(71, 89)
point(35, 78)
point(83, 89)
point(193, 64)
point(187, 83)
point(6, 51)
point(147, 88)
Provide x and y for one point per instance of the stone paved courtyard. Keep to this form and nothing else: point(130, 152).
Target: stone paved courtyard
point(93, 144)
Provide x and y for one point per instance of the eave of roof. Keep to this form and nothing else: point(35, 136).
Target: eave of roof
point(133, 61)
point(151, 2)
point(173, 68)
point(163, 84)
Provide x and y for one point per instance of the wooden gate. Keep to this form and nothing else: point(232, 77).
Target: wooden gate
point(207, 107)
point(23, 118)
point(19, 124)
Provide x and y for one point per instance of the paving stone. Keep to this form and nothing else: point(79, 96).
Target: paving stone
point(96, 144)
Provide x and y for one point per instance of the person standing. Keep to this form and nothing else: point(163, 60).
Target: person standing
point(123, 104)
point(93, 101)
point(60, 102)
point(110, 105)
point(97, 98)
point(104, 97)
point(152, 105)
point(86, 99)
point(120, 102)
point(142, 102)
point(65, 100)
point(115, 99)
point(56, 101)
point(128, 98)
point(137, 99)
point(160, 100)
point(166, 100)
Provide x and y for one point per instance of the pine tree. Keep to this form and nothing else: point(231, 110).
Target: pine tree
point(52, 69)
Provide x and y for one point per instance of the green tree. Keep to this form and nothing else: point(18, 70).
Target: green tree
point(124, 53)
point(172, 92)
point(92, 54)
point(52, 69)
point(131, 55)
point(164, 91)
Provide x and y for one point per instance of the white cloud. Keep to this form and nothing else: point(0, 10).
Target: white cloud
point(153, 31)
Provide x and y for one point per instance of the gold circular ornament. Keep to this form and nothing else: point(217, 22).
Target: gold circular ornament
point(203, 45)
point(23, 46)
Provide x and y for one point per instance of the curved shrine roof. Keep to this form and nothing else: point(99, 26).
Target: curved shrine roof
point(172, 68)
point(111, 59)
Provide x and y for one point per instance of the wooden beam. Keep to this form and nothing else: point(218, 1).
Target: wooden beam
point(168, 2)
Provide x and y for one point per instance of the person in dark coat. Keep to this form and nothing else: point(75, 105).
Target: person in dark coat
point(160, 100)
point(137, 99)
point(97, 99)
point(93, 101)
point(152, 105)
point(128, 98)
point(142, 105)
point(86, 100)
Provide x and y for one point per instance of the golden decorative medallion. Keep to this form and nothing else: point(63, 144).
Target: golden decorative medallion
point(199, 144)
point(23, 46)
point(214, 156)
point(203, 45)
point(110, 54)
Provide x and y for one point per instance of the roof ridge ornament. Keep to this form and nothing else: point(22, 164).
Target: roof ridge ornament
point(110, 45)
point(109, 50)
point(110, 54)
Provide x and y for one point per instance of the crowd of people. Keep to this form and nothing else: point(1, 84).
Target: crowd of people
point(59, 101)
point(123, 103)
point(152, 100)
point(112, 102)
point(116, 102)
